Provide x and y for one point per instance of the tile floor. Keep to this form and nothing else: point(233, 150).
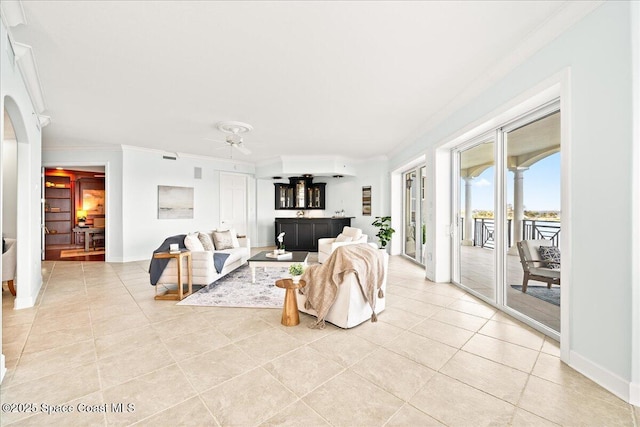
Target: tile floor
point(437, 356)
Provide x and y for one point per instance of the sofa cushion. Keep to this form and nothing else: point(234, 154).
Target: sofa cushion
point(551, 254)
point(223, 240)
point(192, 242)
point(234, 236)
point(354, 233)
point(206, 241)
point(343, 238)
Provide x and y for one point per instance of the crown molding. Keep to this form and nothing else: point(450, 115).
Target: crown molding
point(81, 147)
point(27, 63)
point(12, 13)
point(279, 159)
point(44, 120)
point(180, 155)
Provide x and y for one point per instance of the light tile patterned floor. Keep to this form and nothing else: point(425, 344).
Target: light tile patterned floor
point(436, 357)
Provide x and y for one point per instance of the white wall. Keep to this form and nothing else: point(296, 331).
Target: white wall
point(111, 159)
point(598, 52)
point(341, 193)
point(635, 279)
point(132, 179)
point(346, 193)
point(9, 188)
point(143, 171)
point(14, 97)
point(266, 213)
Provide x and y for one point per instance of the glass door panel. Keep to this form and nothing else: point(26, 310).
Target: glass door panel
point(532, 178)
point(475, 220)
point(423, 215)
point(411, 187)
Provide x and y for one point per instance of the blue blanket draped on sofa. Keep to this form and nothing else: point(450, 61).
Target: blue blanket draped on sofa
point(157, 266)
point(219, 259)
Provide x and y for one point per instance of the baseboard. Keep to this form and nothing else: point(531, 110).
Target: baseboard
point(605, 378)
point(21, 302)
point(3, 368)
point(634, 394)
point(25, 302)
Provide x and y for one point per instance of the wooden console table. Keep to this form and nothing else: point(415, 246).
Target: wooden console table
point(177, 294)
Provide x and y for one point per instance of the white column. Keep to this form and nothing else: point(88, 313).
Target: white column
point(518, 205)
point(468, 218)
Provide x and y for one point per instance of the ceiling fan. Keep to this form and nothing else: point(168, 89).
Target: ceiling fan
point(234, 131)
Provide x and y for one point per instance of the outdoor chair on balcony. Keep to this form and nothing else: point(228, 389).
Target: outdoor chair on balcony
point(536, 267)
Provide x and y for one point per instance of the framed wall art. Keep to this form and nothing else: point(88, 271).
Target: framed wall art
point(175, 202)
point(366, 200)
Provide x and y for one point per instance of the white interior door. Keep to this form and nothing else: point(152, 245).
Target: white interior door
point(233, 202)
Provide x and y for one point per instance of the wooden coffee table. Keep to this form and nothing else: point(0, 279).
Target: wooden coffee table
point(262, 260)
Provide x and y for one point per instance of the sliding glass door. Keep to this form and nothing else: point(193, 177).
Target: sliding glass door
point(508, 191)
point(475, 221)
point(532, 172)
point(414, 217)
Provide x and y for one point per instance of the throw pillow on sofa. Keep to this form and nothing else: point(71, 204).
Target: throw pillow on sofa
point(341, 238)
point(234, 236)
point(192, 242)
point(223, 240)
point(206, 241)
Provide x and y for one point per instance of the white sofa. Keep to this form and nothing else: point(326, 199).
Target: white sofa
point(9, 264)
point(203, 269)
point(350, 307)
point(326, 246)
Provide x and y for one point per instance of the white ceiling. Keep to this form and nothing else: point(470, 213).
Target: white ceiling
point(357, 79)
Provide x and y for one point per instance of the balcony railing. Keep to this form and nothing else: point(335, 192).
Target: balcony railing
point(484, 231)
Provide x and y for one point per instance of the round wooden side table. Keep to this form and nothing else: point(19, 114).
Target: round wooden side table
point(290, 316)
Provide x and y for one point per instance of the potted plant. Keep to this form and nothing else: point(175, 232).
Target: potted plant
point(384, 230)
point(296, 271)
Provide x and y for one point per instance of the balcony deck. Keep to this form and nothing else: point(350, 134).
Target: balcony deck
point(476, 273)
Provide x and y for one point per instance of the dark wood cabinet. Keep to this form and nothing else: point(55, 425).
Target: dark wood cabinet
point(300, 193)
point(302, 234)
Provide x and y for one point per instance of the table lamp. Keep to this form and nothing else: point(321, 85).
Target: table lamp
point(82, 217)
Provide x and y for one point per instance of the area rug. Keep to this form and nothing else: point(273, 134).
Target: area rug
point(68, 253)
point(236, 290)
point(541, 292)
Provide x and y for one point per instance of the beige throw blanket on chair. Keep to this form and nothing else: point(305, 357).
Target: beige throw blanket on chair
point(323, 280)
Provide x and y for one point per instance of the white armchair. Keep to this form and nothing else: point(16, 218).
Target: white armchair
point(349, 236)
point(350, 307)
point(9, 265)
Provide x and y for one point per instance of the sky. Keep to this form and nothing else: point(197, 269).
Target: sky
point(541, 187)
